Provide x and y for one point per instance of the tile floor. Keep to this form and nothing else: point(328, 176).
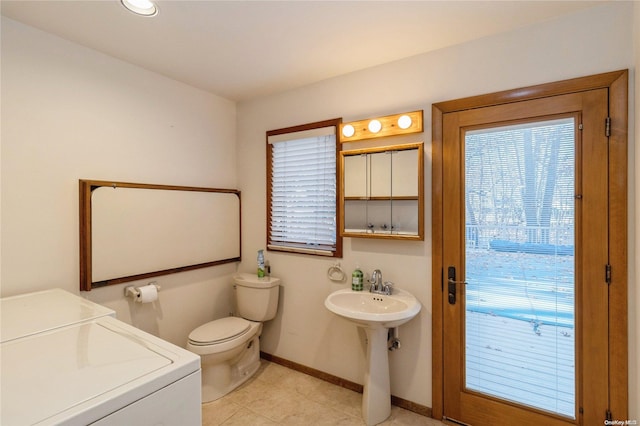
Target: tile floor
point(277, 395)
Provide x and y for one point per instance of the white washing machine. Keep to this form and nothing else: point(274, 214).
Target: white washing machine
point(67, 361)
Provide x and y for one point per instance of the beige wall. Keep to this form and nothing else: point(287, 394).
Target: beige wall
point(69, 113)
point(588, 42)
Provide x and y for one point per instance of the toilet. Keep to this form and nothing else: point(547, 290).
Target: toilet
point(229, 348)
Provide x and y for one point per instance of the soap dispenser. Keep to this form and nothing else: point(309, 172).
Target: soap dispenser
point(260, 263)
point(357, 279)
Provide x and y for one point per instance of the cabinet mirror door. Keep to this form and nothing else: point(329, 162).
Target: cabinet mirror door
point(404, 173)
point(382, 192)
point(356, 183)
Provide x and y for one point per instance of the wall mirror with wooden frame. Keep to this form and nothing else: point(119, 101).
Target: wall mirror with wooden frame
point(132, 231)
point(382, 195)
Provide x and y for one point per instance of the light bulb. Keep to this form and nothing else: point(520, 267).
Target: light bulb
point(404, 122)
point(374, 126)
point(348, 131)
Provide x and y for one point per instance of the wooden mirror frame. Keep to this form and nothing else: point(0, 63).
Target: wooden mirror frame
point(420, 197)
point(86, 188)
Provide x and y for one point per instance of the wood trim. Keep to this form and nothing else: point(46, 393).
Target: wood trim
point(562, 87)
point(104, 283)
point(398, 402)
point(377, 149)
point(618, 256)
point(86, 257)
point(380, 236)
point(389, 198)
point(617, 83)
point(437, 293)
point(91, 185)
point(591, 256)
point(423, 410)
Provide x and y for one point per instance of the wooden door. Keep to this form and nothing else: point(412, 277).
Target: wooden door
point(523, 259)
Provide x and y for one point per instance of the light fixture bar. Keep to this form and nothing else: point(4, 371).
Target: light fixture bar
point(389, 125)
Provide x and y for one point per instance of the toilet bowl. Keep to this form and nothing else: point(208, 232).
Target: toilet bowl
point(229, 348)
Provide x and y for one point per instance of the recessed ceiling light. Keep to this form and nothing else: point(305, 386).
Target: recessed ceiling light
point(141, 7)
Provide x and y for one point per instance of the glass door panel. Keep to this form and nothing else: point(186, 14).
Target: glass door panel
point(520, 265)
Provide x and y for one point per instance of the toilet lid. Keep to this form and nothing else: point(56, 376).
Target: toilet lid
point(219, 330)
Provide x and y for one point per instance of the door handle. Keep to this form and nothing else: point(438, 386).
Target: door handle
point(451, 284)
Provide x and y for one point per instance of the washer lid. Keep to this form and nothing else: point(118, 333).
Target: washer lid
point(32, 313)
point(47, 374)
point(219, 330)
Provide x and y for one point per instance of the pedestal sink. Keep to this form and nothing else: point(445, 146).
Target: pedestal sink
point(375, 313)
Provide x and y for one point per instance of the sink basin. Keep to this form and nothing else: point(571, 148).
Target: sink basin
point(371, 309)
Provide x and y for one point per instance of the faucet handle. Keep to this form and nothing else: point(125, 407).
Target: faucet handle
point(387, 288)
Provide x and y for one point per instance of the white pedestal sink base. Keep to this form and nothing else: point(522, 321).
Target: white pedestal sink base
point(376, 400)
point(376, 313)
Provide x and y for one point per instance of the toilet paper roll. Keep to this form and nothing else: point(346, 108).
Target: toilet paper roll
point(146, 294)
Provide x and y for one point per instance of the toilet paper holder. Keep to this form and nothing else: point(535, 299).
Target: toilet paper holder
point(134, 292)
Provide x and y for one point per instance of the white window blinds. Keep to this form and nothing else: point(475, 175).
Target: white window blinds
point(303, 191)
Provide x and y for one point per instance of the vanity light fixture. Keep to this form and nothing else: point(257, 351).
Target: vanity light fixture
point(141, 7)
point(389, 125)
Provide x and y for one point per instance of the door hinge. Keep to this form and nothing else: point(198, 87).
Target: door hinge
point(609, 415)
point(607, 274)
point(607, 127)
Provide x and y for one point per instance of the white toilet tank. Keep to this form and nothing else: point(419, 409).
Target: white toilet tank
point(257, 298)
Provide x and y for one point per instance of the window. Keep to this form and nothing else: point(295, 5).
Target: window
point(302, 189)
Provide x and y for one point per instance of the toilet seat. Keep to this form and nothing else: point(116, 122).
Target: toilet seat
point(219, 331)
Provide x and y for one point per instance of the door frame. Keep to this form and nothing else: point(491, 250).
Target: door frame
point(617, 84)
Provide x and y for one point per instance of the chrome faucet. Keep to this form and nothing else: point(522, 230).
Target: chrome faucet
point(376, 281)
point(378, 286)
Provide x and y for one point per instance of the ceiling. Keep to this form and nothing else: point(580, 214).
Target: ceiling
point(246, 49)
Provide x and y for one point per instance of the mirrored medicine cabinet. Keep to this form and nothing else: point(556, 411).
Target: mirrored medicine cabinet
point(382, 193)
